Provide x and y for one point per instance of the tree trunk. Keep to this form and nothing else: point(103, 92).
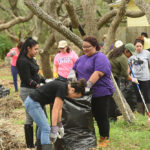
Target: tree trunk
point(89, 12)
point(121, 103)
point(45, 64)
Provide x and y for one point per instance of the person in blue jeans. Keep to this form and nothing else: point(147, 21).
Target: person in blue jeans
point(52, 92)
point(14, 53)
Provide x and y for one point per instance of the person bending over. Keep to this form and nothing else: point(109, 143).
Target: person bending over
point(52, 92)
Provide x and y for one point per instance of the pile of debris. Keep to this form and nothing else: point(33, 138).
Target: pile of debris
point(8, 104)
point(4, 91)
point(8, 141)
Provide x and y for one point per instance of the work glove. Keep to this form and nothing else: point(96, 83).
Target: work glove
point(88, 87)
point(48, 80)
point(55, 75)
point(53, 134)
point(134, 80)
point(12, 53)
point(72, 76)
point(60, 130)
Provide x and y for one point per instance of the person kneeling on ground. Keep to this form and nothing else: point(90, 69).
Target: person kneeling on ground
point(52, 92)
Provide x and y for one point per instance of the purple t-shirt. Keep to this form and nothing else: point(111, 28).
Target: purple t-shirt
point(85, 66)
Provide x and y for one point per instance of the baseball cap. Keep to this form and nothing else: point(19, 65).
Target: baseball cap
point(62, 44)
point(118, 43)
point(130, 47)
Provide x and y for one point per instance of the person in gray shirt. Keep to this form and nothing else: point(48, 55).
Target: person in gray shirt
point(140, 65)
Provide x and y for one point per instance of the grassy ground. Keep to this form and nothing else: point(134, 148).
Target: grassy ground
point(123, 135)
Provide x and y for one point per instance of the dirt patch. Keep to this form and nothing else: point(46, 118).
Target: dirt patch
point(8, 104)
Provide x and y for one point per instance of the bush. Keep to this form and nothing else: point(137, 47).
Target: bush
point(5, 46)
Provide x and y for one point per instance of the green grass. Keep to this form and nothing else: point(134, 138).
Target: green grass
point(6, 78)
point(130, 136)
point(19, 122)
point(123, 135)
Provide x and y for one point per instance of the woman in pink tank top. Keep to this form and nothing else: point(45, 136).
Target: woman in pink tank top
point(13, 53)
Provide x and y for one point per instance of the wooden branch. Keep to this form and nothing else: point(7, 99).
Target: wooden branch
point(72, 15)
point(57, 25)
point(7, 10)
point(144, 7)
point(103, 20)
point(134, 14)
point(113, 27)
point(13, 5)
point(15, 21)
point(19, 19)
point(12, 36)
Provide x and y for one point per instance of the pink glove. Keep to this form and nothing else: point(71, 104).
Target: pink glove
point(134, 80)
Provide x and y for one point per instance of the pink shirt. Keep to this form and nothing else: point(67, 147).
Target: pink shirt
point(64, 62)
point(14, 57)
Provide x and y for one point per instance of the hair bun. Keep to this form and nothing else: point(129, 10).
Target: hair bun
point(83, 83)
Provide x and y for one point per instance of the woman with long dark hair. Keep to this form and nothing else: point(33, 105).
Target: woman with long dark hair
point(30, 80)
point(140, 64)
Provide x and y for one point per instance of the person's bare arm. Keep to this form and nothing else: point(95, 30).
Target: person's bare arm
point(95, 76)
point(57, 107)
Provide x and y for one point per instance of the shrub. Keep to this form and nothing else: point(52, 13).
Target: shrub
point(5, 45)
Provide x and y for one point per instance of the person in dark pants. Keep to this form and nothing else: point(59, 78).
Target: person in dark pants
point(95, 67)
point(14, 52)
point(30, 80)
point(52, 92)
point(140, 65)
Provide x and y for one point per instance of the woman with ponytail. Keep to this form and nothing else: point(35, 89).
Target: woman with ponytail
point(30, 80)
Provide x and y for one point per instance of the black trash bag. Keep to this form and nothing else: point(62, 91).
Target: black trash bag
point(128, 91)
point(113, 111)
point(78, 125)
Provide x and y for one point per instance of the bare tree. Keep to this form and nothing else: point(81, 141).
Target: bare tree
point(90, 21)
point(57, 25)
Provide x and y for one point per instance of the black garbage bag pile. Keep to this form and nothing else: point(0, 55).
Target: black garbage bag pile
point(128, 91)
point(78, 124)
point(4, 91)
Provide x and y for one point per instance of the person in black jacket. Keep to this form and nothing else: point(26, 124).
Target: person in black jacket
point(52, 92)
point(30, 80)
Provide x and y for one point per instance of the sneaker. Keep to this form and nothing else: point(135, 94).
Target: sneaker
point(103, 142)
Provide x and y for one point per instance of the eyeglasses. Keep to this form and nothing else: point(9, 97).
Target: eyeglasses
point(86, 47)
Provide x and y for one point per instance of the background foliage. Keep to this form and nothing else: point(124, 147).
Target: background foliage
point(5, 45)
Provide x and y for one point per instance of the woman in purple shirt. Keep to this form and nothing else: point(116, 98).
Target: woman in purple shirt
point(95, 67)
